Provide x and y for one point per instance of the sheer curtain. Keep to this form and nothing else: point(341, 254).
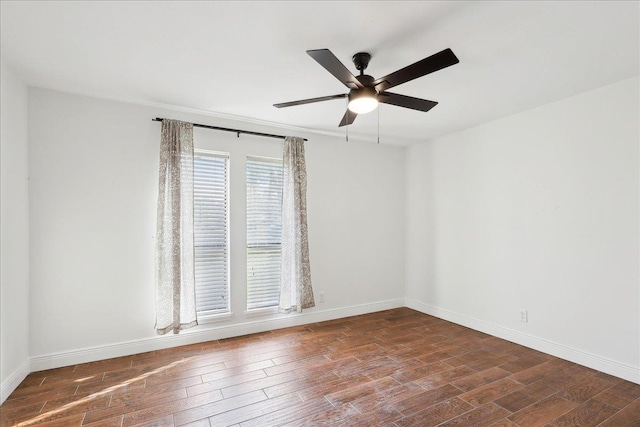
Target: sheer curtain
point(175, 285)
point(295, 286)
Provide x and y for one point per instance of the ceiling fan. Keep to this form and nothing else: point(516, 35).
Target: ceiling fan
point(366, 92)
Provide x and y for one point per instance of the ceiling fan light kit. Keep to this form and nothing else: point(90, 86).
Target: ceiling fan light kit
point(366, 92)
point(362, 101)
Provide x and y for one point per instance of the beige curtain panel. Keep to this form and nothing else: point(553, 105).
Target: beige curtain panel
point(175, 283)
point(296, 293)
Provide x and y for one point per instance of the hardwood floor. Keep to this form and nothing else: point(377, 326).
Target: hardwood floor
point(393, 368)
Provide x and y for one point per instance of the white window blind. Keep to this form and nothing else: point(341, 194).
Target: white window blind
point(264, 231)
point(211, 232)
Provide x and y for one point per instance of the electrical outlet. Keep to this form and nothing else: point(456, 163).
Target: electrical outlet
point(523, 315)
point(321, 296)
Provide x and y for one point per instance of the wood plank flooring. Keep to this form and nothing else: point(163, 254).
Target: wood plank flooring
point(395, 368)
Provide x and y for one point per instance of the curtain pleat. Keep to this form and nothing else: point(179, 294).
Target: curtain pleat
point(175, 284)
point(296, 292)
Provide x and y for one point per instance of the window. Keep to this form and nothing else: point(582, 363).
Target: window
point(264, 231)
point(211, 232)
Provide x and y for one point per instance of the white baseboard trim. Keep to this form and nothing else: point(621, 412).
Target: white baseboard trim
point(611, 367)
point(14, 380)
point(207, 332)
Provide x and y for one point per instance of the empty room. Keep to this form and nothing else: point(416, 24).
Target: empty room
point(373, 213)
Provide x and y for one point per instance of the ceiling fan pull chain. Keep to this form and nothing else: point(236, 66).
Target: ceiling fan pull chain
point(378, 125)
point(347, 126)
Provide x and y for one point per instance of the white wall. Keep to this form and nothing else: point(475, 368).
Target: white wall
point(14, 233)
point(93, 192)
point(537, 211)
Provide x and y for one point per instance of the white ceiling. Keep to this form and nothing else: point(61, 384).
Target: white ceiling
point(239, 58)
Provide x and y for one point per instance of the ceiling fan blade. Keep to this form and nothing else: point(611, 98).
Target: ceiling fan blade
point(309, 101)
point(406, 101)
point(333, 65)
point(348, 118)
point(436, 62)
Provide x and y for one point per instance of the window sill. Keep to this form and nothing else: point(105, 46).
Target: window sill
point(212, 318)
point(261, 311)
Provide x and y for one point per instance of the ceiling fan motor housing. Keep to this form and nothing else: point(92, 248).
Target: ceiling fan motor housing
point(366, 80)
point(367, 92)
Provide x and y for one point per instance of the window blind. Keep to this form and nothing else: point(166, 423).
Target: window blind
point(211, 225)
point(264, 231)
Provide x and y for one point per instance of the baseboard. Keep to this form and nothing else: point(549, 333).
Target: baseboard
point(14, 380)
point(204, 333)
point(599, 363)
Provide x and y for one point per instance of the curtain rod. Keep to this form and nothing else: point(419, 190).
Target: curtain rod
point(236, 131)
